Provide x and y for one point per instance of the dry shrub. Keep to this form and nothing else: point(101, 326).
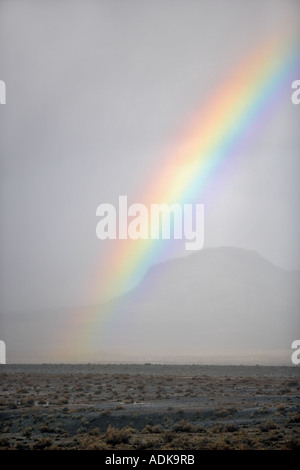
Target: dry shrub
point(169, 436)
point(117, 436)
point(231, 427)
point(27, 432)
point(28, 402)
point(222, 444)
point(293, 444)
point(92, 443)
point(184, 426)
point(42, 444)
point(45, 428)
point(4, 443)
point(148, 429)
point(295, 418)
point(62, 401)
point(224, 412)
point(94, 432)
point(267, 426)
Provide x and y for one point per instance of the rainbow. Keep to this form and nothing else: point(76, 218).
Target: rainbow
point(215, 133)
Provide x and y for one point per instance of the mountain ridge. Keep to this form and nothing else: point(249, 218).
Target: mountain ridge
point(226, 296)
point(218, 302)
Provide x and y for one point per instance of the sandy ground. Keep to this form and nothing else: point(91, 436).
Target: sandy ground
point(149, 407)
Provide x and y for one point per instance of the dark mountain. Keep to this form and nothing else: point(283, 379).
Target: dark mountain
point(219, 300)
point(217, 305)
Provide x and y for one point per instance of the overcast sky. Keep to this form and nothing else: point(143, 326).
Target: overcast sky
point(95, 92)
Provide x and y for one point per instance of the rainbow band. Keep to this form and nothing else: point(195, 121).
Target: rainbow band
point(219, 131)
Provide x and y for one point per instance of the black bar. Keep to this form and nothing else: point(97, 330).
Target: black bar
point(141, 459)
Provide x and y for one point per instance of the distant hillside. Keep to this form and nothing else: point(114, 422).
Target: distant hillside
point(219, 299)
point(223, 304)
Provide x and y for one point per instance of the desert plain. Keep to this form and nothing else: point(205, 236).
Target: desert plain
point(149, 406)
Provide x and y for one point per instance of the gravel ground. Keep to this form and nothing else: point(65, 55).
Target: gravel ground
point(149, 407)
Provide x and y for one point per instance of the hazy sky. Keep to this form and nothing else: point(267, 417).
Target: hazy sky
point(96, 91)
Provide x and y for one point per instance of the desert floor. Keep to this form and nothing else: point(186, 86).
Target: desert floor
point(182, 407)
